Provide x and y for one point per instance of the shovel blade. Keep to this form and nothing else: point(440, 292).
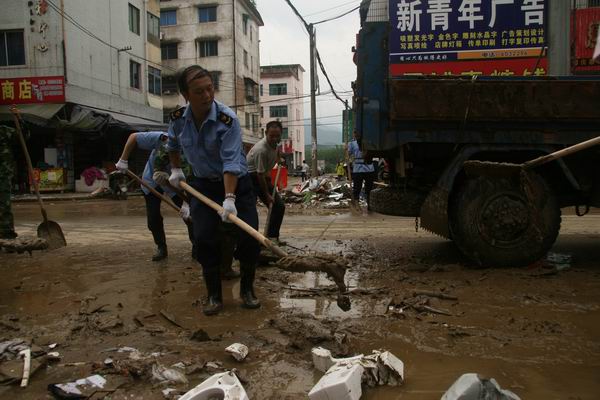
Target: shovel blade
point(51, 232)
point(475, 168)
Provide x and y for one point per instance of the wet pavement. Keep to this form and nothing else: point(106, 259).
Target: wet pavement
point(536, 330)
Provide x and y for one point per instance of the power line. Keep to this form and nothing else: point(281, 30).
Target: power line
point(339, 16)
point(329, 9)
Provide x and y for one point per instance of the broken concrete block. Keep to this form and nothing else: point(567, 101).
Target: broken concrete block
point(224, 386)
point(475, 387)
point(323, 360)
point(341, 382)
point(238, 351)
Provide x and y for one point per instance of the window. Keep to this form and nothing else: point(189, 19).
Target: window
point(250, 89)
point(284, 133)
point(277, 89)
point(254, 122)
point(207, 14)
point(153, 29)
point(251, 34)
point(134, 74)
point(12, 48)
point(262, 111)
point(208, 48)
point(278, 112)
point(251, 63)
point(154, 81)
point(247, 120)
point(245, 58)
point(168, 17)
point(245, 23)
point(134, 20)
point(215, 78)
point(261, 89)
point(168, 51)
point(169, 85)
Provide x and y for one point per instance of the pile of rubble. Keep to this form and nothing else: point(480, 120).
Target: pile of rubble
point(326, 192)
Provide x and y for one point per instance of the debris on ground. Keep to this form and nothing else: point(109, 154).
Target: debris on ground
point(162, 374)
point(474, 387)
point(420, 302)
point(21, 244)
point(225, 385)
point(324, 191)
point(323, 360)
point(80, 389)
point(238, 351)
point(341, 382)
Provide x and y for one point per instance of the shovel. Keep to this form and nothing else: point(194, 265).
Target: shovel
point(48, 230)
point(506, 170)
point(155, 192)
point(273, 197)
point(323, 263)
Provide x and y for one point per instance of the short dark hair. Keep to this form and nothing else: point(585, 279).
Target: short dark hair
point(274, 124)
point(196, 72)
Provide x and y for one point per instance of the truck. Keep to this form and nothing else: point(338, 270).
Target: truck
point(427, 126)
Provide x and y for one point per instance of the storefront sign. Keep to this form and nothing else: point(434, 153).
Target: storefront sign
point(467, 37)
point(586, 23)
point(39, 89)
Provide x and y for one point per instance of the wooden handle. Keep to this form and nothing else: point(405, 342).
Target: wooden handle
point(562, 153)
point(154, 191)
point(15, 113)
point(234, 219)
point(268, 221)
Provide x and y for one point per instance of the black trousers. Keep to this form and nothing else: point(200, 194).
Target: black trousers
point(278, 207)
point(207, 222)
point(155, 219)
point(357, 181)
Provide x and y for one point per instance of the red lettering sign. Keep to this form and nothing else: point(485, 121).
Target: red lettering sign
point(506, 67)
point(584, 30)
point(39, 89)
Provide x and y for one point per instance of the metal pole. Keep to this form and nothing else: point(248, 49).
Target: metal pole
point(313, 101)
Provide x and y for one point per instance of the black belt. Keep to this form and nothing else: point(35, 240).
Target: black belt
point(216, 179)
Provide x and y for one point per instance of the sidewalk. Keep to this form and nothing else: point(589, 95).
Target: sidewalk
point(68, 196)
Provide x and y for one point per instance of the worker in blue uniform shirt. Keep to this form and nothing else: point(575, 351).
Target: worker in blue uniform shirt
point(153, 141)
point(362, 171)
point(210, 137)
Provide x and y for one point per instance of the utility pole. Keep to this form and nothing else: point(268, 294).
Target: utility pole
point(313, 101)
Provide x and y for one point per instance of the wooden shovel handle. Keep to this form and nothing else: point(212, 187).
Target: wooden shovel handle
point(268, 221)
point(234, 219)
point(562, 153)
point(154, 191)
point(15, 111)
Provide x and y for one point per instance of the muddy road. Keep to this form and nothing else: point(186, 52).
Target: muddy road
point(536, 330)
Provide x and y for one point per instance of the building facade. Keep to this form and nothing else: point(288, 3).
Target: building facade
point(222, 37)
point(83, 74)
point(282, 98)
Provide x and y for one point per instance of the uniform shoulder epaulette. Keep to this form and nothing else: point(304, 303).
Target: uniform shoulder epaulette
point(224, 118)
point(177, 113)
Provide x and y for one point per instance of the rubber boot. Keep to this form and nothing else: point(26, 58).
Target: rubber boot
point(214, 302)
point(227, 271)
point(247, 295)
point(161, 253)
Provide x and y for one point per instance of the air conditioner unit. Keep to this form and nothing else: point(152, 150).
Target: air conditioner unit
point(162, 36)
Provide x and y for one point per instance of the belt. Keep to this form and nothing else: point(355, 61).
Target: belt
point(212, 179)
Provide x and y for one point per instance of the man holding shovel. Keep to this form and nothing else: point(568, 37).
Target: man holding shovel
point(153, 141)
point(210, 137)
point(261, 160)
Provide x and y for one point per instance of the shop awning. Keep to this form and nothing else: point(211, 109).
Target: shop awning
point(38, 114)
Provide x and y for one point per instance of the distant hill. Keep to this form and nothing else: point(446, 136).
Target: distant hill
point(326, 135)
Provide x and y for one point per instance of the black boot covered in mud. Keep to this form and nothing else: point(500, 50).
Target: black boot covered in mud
point(228, 238)
point(160, 254)
point(247, 295)
point(214, 303)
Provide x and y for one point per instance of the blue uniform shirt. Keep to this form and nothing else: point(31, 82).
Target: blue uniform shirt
point(151, 141)
point(213, 149)
point(359, 165)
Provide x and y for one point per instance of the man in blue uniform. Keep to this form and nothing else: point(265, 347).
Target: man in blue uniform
point(210, 137)
point(362, 171)
point(152, 141)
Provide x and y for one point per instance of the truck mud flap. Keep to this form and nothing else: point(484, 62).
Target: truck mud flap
point(434, 212)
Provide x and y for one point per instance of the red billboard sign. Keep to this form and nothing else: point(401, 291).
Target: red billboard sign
point(29, 90)
point(506, 67)
point(585, 25)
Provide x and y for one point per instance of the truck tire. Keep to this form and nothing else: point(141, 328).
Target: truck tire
point(493, 223)
point(394, 201)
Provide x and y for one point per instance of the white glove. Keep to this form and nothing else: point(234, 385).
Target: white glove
point(228, 208)
point(184, 211)
point(176, 177)
point(161, 177)
point(122, 166)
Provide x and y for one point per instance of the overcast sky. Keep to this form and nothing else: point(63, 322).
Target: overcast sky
point(283, 40)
